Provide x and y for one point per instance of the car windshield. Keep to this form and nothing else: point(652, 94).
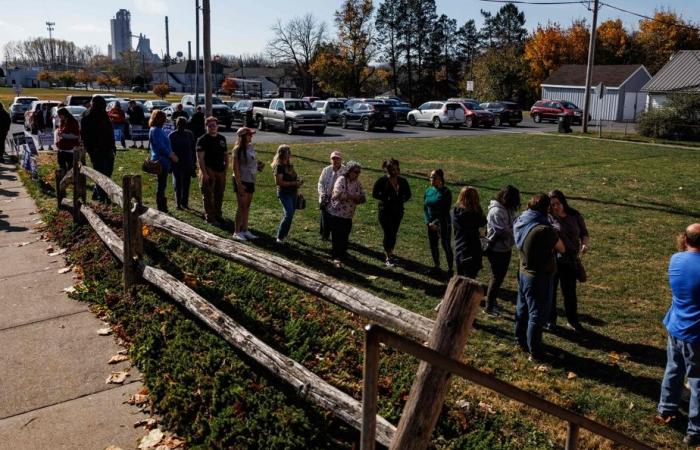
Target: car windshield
point(157, 104)
point(391, 102)
point(569, 105)
point(297, 106)
point(335, 105)
point(472, 106)
point(26, 101)
point(214, 100)
point(75, 109)
point(374, 101)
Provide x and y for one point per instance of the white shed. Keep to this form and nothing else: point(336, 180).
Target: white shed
point(680, 75)
point(623, 99)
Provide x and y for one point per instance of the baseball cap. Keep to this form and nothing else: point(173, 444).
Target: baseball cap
point(245, 130)
point(336, 154)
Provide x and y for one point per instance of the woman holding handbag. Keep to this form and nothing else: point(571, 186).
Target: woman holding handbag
point(288, 184)
point(573, 232)
point(159, 145)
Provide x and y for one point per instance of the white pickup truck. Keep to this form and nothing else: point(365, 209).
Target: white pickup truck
point(290, 115)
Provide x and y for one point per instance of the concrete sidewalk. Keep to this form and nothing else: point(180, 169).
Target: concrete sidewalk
point(53, 364)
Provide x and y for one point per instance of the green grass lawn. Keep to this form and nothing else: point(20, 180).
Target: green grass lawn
point(635, 200)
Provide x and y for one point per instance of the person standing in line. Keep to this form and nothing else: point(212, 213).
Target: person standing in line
point(326, 181)
point(67, 137)
point(5, 123)
point(212, 156)
point(246, 166)
point(392, 191)
point(183, 145)
point(437, 202)
point(137, 120)
point(179, 112)
point(196, 123)
point(682, 322)
point(43, 122)
point(118, 118)
point(499, 236)
point(572, 230)
point(347, 194)
point(159, 145)
point(288, 184)
point(537, 241)
point(97, 135)
point(467, 218)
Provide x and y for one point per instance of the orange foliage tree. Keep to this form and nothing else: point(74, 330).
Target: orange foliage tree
point(577, 40)
point(161, 90)
point(544, 52)
point(228, 85)
point(613, 43)
point(658, 39)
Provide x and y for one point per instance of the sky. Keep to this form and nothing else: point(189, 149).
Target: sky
point(243, 27)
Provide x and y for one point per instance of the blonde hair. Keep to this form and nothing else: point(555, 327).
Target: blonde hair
point(282, 151)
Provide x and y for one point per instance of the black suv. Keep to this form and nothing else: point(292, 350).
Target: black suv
point(505, 112)
point(243, 111)
point(369, 115)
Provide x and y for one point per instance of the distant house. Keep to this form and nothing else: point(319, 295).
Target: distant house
point(181, 76)
point(623, 99)
point(680, 75)
point(271, 79)
point(25, 77)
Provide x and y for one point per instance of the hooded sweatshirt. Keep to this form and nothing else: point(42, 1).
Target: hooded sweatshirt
point(499, 227)
point(526, 222)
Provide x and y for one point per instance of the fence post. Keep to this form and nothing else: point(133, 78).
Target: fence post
point(83, 178)
point(78, 187)
point(369, 391)
point(571, 436)
point(59, 192)
point(449, 336)
point(133, 241)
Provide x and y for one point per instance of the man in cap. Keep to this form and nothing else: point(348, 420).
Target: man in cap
point(325, 189)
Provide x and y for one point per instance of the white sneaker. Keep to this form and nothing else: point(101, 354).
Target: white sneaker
point(239, 237)
point(280, 241)
point(248, 235)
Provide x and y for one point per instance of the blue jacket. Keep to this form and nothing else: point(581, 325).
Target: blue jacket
point(528, 220)
point(159, 144)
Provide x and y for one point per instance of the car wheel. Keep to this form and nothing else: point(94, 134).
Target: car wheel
point(412, 121)
point(343, 122)
point(261, 124)
point(536, 118)
point(389, 128)
point(497, 121)
point(319, 131)
point(365, 125)
point(289, 127)
point(436, 122)
point(469, 122)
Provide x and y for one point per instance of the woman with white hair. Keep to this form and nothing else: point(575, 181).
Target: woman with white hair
point(347, 194)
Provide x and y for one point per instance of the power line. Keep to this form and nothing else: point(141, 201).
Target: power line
point(673, 24)
point(577, 2)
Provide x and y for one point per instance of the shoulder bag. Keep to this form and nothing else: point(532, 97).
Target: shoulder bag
point(151, 166)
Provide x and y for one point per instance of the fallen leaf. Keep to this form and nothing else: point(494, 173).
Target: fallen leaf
point(49, 249)
point(171, 443)
point(69, 290)
point(190, 280)
point(571, 376)
point(146, 423)
point(486, 407)
point(65, 270)
point(113, 447)
point(663, 420)
point(541, 368)
point(145, 231)
point(371, 277)
point(631, 406)
point(463, 404)
point(151, 439)
point(137, 399)
point(117, 359)
point(22, 244)
point(117, 378)
point(58, 252)
point(104, 331)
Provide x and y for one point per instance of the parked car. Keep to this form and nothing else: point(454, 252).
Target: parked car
point(504, 112)
point(230, 103)
point(34, 108)
point(310, 99)
point(550, 110)
point(369, 116)
point(461, 100)
point(349, 103)
point(291, 115)
point(151, 105)
point(75, 111)
point(19, 106)
point(78, 100)
point(108, 97)
point(219, 109)
point(475, 115)
point(271, 94)
point(330, 108)
point(243, 111)
point(438, 113)
point(169, 110)
point(400, 108)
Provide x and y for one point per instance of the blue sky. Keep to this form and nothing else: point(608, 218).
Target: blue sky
point(240, 27)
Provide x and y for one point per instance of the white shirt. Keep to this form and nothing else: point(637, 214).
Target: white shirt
point(326, 182)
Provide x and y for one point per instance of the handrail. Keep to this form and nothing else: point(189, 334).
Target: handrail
point(376, 334)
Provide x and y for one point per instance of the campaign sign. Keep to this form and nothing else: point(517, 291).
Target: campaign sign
point(139, 133)
point(168, 127)
point(46, 139)
point(118, 134)
point(19, 138)
point(26, 158)
point(32, 147)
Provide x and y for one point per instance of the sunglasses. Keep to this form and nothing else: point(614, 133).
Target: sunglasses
point(212, 125)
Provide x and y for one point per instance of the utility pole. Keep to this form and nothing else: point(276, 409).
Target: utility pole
point(589, 69)
point(206, 38)
point(196, 51)
point(51, 26)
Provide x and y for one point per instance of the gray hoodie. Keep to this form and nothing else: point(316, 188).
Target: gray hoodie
point(499, 227)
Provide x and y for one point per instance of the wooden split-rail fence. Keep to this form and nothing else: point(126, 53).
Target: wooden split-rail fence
point(445, 338)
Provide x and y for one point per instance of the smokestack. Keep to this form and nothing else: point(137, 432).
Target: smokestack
point(189, 50)
point(167, 38)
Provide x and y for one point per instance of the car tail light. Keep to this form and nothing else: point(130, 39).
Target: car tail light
point(444, 109)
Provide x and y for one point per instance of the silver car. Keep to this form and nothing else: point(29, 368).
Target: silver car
point(330, 108)
point(437, 114)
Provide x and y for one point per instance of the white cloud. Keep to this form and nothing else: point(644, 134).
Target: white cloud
point(152, 7)
point(87, 28)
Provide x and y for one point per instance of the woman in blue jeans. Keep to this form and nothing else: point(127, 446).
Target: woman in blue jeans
point(161, 151)
point(288, 183)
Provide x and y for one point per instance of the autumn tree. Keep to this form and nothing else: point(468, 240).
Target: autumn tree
point(662, 36)
point(85, 77)
point(544, 52)
point(297, 42)
point(47, 77)
point(331, 71)
point(498, 74)
point(356, 41)
point(161, 90)
point(577, 39)
point(67, 78)
point(228, 85)
point(613, 43)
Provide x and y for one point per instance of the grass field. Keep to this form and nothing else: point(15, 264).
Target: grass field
point(635, 200)
point(8, 94)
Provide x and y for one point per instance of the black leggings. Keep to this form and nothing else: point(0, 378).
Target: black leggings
point(444, 235)
point(390, 224)
point(340, 236)
point(566, 277)
point(499, 262)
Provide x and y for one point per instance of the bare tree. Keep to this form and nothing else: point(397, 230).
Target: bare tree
point(297, 42)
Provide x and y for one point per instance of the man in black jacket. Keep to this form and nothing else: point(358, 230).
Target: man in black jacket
point(196, 124)
point(137, 120)
point(5, 122)
point(97, 135)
